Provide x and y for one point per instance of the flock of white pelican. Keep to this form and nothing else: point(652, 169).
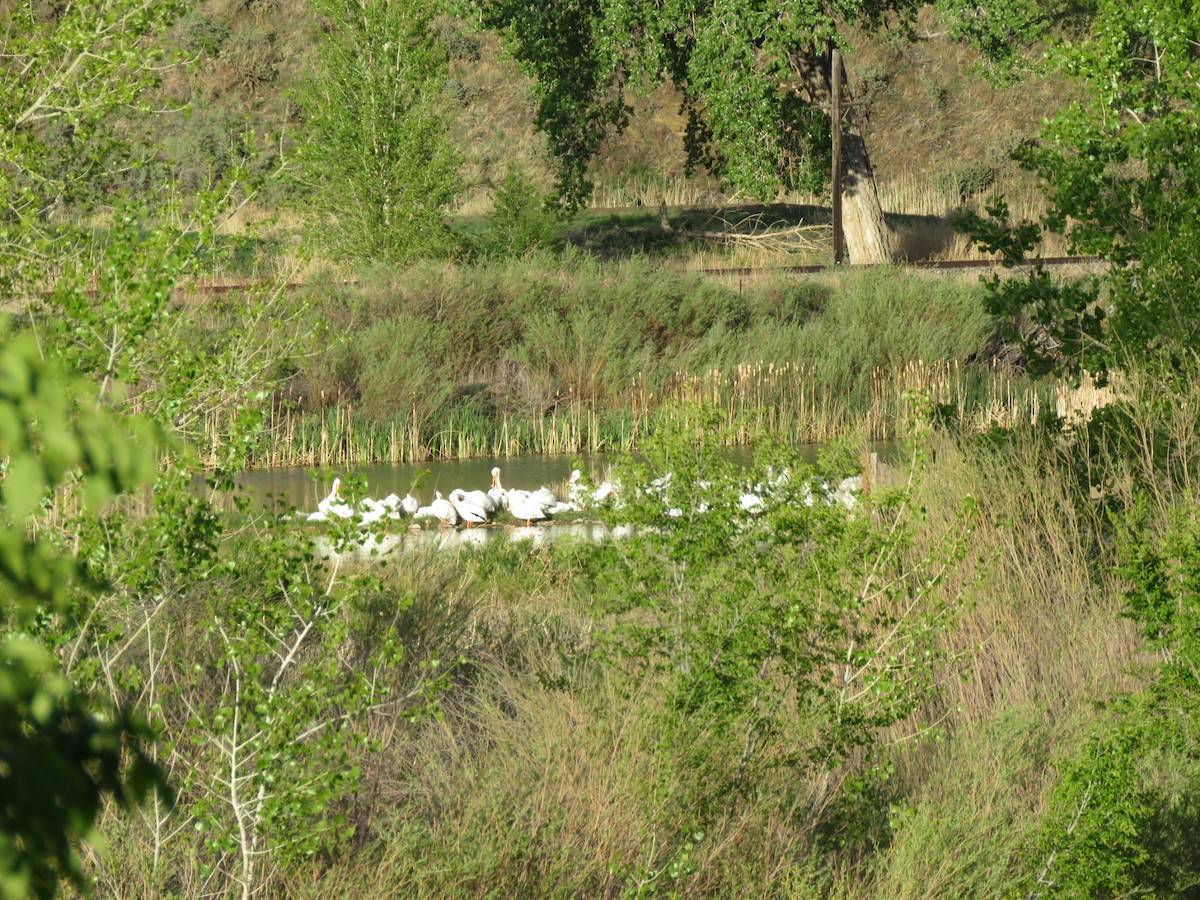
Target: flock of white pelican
point(468, 508)
point(476, 507)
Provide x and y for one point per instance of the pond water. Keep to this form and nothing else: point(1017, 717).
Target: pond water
point(409, 536)
point(295, 488)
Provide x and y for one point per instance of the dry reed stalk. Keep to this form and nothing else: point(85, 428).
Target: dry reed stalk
point(1075, 403)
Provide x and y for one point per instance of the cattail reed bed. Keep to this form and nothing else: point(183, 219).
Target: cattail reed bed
point(760, 401)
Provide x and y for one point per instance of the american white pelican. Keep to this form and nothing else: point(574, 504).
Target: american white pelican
point(848, 490)
point(577, 492)
point(332, 505)
point(395, 506)
point(751, 502)
point(472, 508)
point(440, 509)
point(372, 511)
point(545, 496)
point(410, 504)
point(496, 492)
point(525, 506)
point(605, 492)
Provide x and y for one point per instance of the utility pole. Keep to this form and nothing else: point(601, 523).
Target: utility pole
point(835, 78)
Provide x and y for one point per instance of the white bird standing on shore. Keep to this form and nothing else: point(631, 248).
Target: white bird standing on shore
point(496, 492)
point(332, 505)
point(473, 507)
point(440, 509)
point(526, 506)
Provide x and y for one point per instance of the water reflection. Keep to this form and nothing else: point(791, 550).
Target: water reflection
point(419, 538)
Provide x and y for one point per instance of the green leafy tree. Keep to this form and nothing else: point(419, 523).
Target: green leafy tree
point(1011, 36)
point(756, 80)
point(70, 735)
point(377, 161)
point(63, 750)
point(1118, 172)
point(64, 70)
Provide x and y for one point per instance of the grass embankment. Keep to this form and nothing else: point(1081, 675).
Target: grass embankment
point(555, 767)
point(566, 354)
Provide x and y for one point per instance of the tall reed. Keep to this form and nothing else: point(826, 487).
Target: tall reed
point(791, 402)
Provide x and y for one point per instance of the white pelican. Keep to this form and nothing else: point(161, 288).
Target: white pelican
point(410, 504)
point(440, 509)
point(525, 506)
point(751, 502)
point(848, 490)
point(545, 496)
point(577, 492)
point(333, 505)
point(372, 511)
point(471, 507)
point(496, 492)
point(606, 491)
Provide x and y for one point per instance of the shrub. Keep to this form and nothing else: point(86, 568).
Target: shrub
point(962, 181)
point(200, 33)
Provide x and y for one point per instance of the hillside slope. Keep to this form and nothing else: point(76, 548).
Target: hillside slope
point(937, 131)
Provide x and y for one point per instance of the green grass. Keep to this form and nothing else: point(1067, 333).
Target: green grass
point(566, 353)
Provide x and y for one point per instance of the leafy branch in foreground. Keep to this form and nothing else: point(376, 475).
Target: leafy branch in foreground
point(64, 751)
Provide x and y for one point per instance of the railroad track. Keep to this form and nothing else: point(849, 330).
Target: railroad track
point(950, 265)
point(188, 291)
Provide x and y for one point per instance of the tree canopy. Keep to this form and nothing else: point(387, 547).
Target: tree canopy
point(377, 164)
point(753, 76)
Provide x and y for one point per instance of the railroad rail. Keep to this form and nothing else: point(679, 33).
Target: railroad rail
point(946, 264)
point(184, 291)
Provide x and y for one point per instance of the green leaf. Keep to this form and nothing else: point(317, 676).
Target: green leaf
point(24, 486)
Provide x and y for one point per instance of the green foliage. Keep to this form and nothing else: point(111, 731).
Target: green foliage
point(577, 101)
point(788, 633)
point(1117, 172)
point(520, 222)
point(752, 77)
point(1162, 566)
point(960, 182)
point(63, 73)
point(63, 753)
point(1113, 824)
point(200, 33)
point(54, 434)
point(1092, 837)
point(376, 163)
point(398, 365)
point(286, 718)
point(64, 750)
point(536, 329)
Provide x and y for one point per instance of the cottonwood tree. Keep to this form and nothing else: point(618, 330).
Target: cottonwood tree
point(377, 163)
point(1118, 171)
point(756, 79)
